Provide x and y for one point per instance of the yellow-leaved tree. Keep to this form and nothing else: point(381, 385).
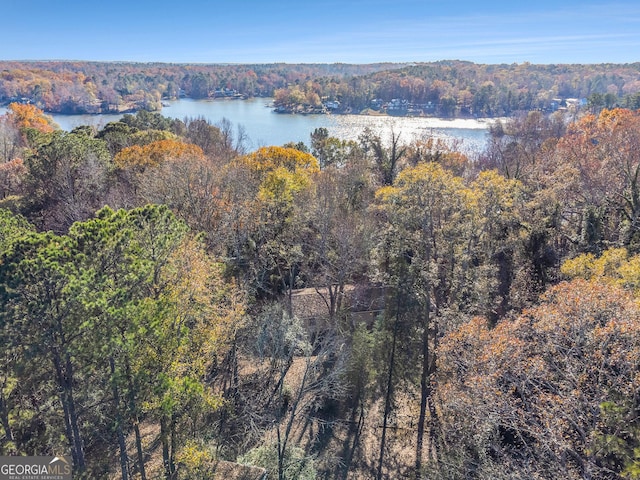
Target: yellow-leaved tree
point(614, 266)
point(264, 193)
point(143, 169)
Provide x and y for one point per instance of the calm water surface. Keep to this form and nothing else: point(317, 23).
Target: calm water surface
point(264, 127)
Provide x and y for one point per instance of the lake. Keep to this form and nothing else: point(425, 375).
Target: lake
point(264, 127)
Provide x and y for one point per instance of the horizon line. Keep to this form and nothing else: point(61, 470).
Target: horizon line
point(382, 62)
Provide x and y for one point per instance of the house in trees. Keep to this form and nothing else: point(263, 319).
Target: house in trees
point(332, 105)
point(358, 303)
point(397, 106)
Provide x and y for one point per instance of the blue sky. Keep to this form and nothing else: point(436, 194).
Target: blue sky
point(350, 31)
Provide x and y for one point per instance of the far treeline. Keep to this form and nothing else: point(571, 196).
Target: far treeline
point(171, 304)
point(443, 89)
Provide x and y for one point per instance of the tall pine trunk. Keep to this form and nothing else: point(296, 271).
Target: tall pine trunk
point(133, 412)
point(73, 416)
point(389, 394)
point(166, 448)
point(4, 415)
point(124, 459)
point(64, 377)
point(173, 445)
point(425, 392)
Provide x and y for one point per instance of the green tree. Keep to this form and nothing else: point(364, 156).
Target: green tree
point(67, 179)
point(495, 244)
point(128, 310)
point(42, 317)
point(145, 120)
point(385, 159)
point(117, 135)
point(12, 228)
point(156, 317)
point(331, 150)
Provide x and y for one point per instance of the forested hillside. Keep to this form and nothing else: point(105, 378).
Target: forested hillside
point(92, 87)
point(363, 309)
point(445, 89)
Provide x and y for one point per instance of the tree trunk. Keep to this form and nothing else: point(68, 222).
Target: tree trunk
point(282, 443)
point(124, 459)
point(283, 374)
point(433, 430)
point(65, 406)
point(433, 414)
point(340, 297)
point(425, 391)
point(164, 439)
point(356, 440)
point(4, 415)
point(64, 379)
point(389, 394)
point(280, 457)
point(133, 412)
point(235, 376)
point(78, 444)
point(173, 446)
point(136, 429)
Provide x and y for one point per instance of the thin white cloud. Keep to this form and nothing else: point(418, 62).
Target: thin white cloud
point(560, 36)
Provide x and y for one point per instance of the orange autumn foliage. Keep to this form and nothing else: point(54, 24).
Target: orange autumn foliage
point(29, 116)
point(595, 168)
point(156, 153)
point(536, 384)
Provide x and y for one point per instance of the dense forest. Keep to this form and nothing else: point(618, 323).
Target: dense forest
point(95, 87)
point(445, 89)
point(359, 309)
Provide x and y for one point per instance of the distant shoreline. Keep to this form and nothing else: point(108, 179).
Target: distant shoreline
point(365, 112)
